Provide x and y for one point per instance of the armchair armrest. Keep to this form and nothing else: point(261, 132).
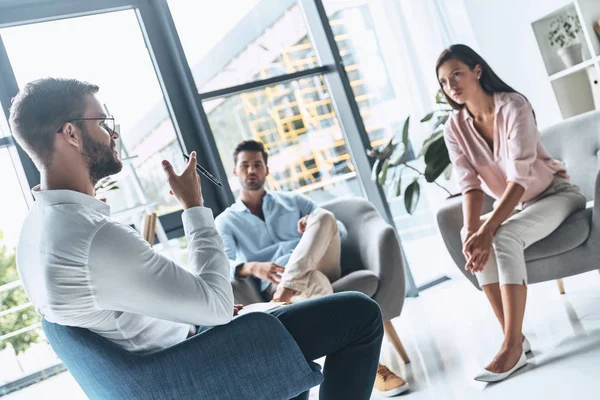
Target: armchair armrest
point(379, 250)
point(450, 222)
point(253, 357)
point(246, 291)
point(596, 208)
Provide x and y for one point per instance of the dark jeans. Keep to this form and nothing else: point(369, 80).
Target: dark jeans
point(348, 329)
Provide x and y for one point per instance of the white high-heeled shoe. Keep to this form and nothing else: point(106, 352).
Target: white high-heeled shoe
point(488, 376)
point(526, 345)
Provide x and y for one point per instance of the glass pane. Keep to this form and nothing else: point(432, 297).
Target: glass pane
point(365, 34)
point(298, 125)
point(13, 210)
point(241, 40)
point(108, 50)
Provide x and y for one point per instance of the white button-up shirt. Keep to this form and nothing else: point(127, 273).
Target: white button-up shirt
point(80, 268)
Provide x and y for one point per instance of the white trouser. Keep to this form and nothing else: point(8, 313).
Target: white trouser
point(315, 262)
point(537, 219)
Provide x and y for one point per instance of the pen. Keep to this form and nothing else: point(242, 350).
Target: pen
point(204, 172)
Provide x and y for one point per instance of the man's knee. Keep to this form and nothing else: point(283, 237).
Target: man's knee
point(362, 305)
point(323, 217)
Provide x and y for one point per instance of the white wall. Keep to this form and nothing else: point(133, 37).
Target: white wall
point(503, 32)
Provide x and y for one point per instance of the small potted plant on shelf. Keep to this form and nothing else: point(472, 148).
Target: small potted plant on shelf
point(391, 159)
point(564, 34)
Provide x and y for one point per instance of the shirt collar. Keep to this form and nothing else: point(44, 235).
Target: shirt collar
point(239, 205)
point(500, 99)
point(55, 197)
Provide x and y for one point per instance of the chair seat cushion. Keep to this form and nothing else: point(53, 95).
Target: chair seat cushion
point(364, 281)
point(572, 233)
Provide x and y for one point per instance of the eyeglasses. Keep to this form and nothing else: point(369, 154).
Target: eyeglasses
point(107, 123)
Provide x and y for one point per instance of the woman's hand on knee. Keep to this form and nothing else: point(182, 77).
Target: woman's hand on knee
point(477, 250)
point(478, 260)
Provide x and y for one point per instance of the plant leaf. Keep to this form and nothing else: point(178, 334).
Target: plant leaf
point(399, 183)
point(436, 160)
point(428, 117)
point(437, 135)
point(439, 97)
point(435, 150)
point(389, 148)
point(441, 121)
point(405, 133)
point(411, 196)
point(376, 168)
point(383, 174)
point(448, 172)
point(392, 187)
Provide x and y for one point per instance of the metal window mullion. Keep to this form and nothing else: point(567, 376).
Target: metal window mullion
point(180, 91)
point(259, 84)
point(9, 89)
point(342, 96)
point(14, 12)
point(348, 113)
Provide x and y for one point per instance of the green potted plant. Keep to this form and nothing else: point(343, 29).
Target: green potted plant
point(392, 158)
point(564, 33)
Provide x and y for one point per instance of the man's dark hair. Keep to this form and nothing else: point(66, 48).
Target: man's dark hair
point(250, 145)
point(40, 109)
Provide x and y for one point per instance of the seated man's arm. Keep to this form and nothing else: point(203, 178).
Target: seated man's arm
point(229, 245)
point(127, 275)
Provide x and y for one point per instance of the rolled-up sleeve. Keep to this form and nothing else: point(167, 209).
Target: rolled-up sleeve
point(521, 145)
point(468, 178)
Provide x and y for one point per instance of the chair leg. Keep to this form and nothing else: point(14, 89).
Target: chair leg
point(561, 286)
point(390, 331)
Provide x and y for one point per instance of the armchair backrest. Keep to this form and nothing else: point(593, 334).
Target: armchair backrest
point(353, 212)
point(576, 142)
point(88, 355)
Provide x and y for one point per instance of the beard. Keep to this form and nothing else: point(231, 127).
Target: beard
point(101, 160)
point(256, 185)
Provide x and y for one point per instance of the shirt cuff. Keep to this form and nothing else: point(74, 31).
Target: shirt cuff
point(197, 218)
point(519, 173)
point(467, 188)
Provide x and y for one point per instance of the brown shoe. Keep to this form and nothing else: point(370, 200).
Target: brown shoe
point(389, 384)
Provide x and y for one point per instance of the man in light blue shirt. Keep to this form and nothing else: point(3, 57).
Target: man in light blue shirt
point(281, 238)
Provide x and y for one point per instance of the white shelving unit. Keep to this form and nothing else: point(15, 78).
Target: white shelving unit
point(577, 88)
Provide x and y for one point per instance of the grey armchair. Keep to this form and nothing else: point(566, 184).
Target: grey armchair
point(371, 263)
point(574, 247)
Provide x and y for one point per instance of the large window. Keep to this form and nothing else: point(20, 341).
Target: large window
point(22, 350)
point(108, 50)
point(296, 122)
point(241, 40)
point(295, 119)
point(365, 34)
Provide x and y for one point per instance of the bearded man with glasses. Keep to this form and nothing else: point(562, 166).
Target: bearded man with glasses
point(80, 268)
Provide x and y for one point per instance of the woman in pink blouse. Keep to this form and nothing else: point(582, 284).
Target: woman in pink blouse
point(495, 147)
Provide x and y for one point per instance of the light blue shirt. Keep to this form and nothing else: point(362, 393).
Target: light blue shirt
point(247, 238)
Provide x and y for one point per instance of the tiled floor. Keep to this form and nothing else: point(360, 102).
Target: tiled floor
point(450, 332)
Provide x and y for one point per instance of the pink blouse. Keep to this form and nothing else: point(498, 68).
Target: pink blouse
point(518, 155)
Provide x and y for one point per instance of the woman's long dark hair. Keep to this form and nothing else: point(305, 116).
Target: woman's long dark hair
point(490, 82)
